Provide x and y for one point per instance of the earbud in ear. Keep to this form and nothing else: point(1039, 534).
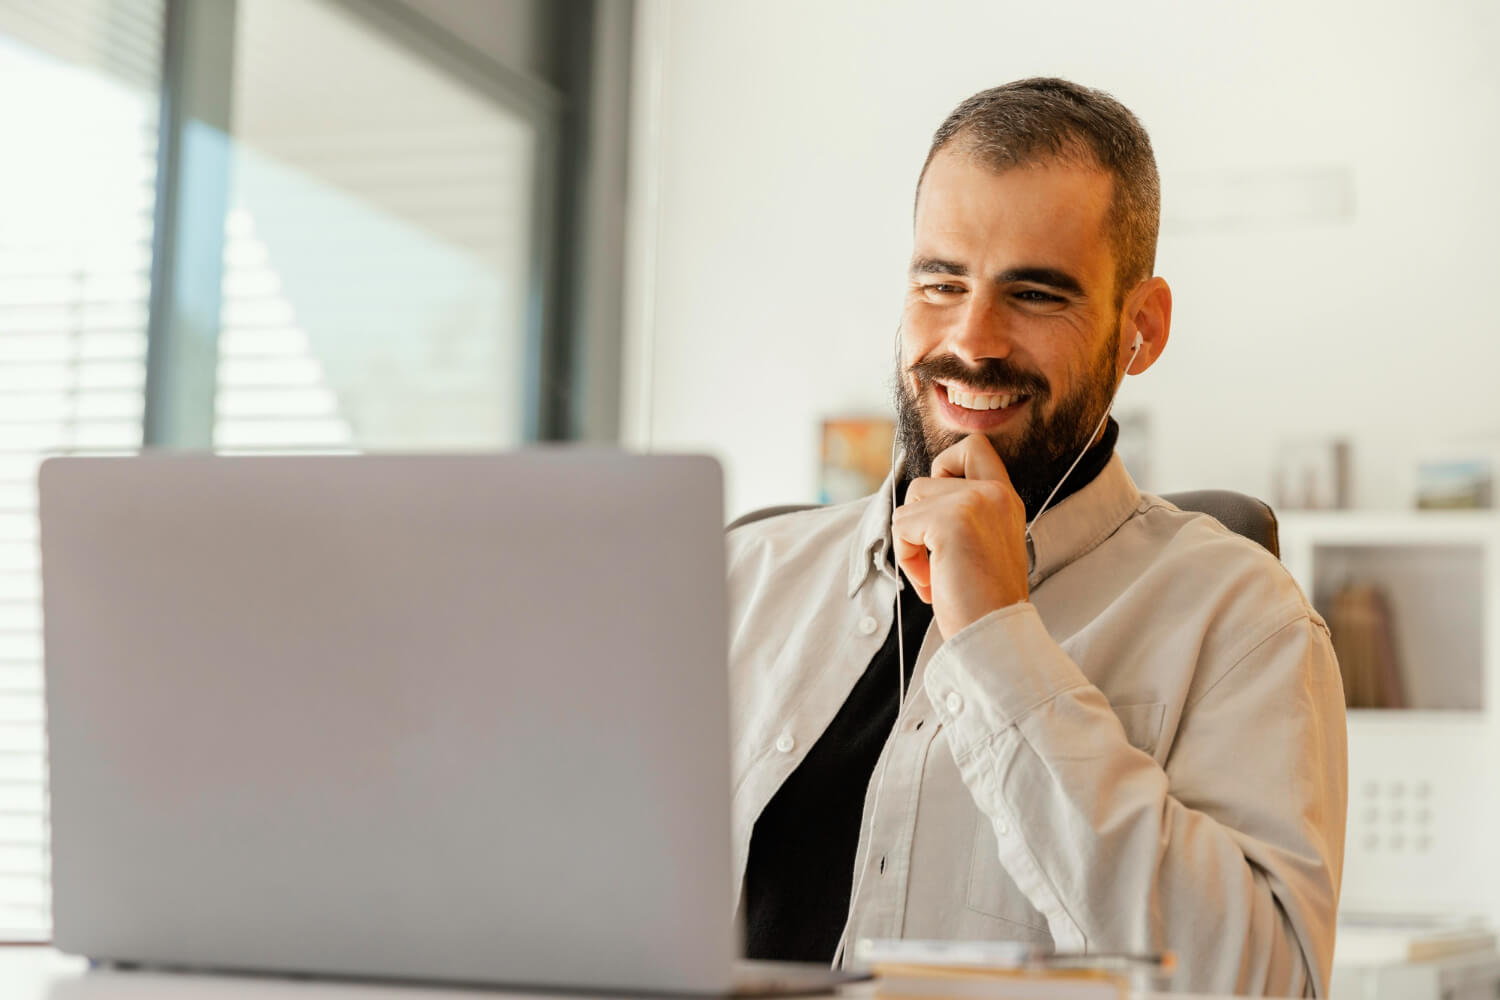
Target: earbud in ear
point(1136, 344)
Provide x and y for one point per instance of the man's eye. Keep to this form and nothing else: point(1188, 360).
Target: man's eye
point(1033, 295)
point(943, 288)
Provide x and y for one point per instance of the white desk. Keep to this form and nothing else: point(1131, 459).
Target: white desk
point(44, 974)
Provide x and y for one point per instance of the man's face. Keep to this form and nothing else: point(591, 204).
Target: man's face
point(1010, 326)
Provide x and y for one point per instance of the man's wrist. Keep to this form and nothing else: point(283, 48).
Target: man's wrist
point(999, 668)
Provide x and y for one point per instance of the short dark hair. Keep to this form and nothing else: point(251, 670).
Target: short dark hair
point(1044, 118)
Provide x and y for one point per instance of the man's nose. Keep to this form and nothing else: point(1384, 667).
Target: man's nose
point(982, 332)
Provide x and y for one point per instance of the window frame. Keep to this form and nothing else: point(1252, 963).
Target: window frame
point(572, 371)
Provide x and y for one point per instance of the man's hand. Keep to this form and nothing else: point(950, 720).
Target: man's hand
point(961, 536)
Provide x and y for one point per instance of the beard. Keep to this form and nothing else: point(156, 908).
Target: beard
point(1037, 454)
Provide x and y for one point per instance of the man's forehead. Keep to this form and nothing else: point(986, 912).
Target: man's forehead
point(958, 159)
point(1058, 204)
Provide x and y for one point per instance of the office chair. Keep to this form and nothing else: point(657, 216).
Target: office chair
point(1241, 514)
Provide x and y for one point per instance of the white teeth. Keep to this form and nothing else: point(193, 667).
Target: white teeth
point(979, 401)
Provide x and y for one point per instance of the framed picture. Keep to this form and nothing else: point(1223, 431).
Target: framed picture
point(1455, 483)
point(856, 457)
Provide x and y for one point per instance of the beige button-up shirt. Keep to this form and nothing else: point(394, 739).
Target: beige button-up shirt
point(1149, 754)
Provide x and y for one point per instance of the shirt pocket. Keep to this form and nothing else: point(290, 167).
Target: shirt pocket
point(991, 890)
point(993, 893)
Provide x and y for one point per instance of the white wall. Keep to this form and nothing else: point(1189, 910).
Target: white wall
point(778, 144)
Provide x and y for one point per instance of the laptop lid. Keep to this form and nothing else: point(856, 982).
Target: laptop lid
point(457, 718)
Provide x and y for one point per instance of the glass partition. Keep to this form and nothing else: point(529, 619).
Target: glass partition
point(377, 246)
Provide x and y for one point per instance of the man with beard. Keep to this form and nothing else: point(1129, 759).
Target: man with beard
point(1086, 719)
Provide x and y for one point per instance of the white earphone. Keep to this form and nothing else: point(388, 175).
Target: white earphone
point(864, 863)
point(1135, 348)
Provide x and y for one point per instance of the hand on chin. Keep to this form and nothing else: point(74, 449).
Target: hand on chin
point(961, 535)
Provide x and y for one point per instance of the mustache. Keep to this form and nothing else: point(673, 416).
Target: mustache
point(993, 375)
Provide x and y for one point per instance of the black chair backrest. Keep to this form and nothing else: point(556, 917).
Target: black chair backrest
point(1244, 515)
point(1241, 514)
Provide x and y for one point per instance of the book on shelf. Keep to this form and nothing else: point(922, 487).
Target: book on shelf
point(1368, 939)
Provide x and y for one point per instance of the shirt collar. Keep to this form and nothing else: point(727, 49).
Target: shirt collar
point(1060, 535)
point(872, 536)
point(1083, 520)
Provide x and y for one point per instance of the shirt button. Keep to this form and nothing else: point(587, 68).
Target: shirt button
point(955, 702)
point(868, 625)
point(785, 743)
point(1002, 829)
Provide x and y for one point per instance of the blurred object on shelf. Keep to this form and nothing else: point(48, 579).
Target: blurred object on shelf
point(1313, 475)
point(1363, 628)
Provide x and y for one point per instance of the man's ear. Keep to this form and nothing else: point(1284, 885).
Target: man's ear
point(1147, 311)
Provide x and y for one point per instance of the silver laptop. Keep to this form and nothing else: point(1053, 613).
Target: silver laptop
point(439, 718)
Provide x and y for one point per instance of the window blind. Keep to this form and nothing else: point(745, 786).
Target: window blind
point(79, 87)
point(272, 392)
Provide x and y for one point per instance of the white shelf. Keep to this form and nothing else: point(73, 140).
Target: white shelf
point(1300, 530)
point(1440, 571)
point(1424, 784)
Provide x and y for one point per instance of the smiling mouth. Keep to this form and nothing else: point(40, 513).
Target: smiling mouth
point(980, 402)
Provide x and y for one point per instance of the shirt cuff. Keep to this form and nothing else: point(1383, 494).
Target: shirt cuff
point(993, 672)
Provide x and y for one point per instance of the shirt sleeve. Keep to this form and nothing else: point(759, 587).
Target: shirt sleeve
point(1229, 854)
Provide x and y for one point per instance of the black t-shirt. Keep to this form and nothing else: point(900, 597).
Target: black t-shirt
point(800, 870)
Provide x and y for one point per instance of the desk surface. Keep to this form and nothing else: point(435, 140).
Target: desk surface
point(39, 973)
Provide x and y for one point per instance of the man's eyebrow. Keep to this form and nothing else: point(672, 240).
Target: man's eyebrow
point(934, 265)
point(1050, 277)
